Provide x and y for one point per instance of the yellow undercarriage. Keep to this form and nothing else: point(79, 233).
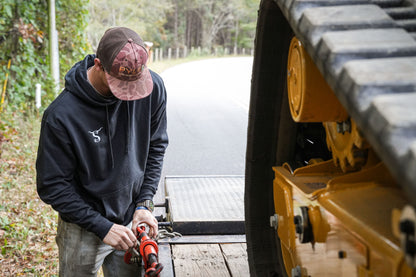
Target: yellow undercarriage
point(339, 217)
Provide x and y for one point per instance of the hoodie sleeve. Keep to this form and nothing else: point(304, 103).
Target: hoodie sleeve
point(56, 184)
point(158, 142)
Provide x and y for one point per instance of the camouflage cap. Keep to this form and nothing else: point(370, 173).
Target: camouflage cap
point(123, 55)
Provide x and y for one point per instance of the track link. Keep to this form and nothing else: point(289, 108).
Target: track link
point(366, 51)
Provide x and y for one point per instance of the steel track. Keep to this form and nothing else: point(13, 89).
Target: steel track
point(366, 51)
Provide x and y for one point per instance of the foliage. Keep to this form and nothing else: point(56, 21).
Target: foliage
point(24, 40)
point(27, 226)
point(176, 23)
point(246, 11)
point(146, 17)
point(212, 22)
point(72, 19)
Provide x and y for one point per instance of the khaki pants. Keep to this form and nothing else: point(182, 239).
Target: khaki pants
point(82, 253)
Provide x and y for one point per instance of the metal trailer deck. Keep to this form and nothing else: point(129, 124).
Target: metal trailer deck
point(208, 211)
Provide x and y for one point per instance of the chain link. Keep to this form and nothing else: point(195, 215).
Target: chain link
point(163, 233)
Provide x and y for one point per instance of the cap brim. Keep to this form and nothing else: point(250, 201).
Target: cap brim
point(131, 90)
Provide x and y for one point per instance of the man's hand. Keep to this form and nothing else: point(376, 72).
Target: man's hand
point(120, 237)
point(145, 216)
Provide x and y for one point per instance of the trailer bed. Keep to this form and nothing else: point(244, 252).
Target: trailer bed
point(208, 211)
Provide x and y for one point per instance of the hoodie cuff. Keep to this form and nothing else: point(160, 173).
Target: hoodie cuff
point(102, 228)
point(145, 194)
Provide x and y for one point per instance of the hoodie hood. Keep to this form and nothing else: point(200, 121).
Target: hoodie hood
point(76, 82)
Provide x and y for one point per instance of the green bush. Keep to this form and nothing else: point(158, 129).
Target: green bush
point(24, 41)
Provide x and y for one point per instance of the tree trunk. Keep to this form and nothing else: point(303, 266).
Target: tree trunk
point(236, 34)
point(175, 26)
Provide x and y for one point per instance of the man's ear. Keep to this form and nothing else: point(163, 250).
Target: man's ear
point(97, 64)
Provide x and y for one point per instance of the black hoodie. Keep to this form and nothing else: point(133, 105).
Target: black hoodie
point(99, 156)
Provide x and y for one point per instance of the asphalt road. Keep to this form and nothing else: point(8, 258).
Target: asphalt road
point(207, 116)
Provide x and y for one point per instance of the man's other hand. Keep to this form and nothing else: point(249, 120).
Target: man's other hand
point(120, 237)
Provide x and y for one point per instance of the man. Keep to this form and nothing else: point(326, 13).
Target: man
point(100, 155)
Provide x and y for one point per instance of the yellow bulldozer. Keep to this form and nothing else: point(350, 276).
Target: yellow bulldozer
point(330, 184)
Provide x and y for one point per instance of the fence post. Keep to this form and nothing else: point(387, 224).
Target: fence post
point(169, 53)
point(177, 52)
point(53, 45)
point(185, 52)
point(161, 54)
point(38, 103)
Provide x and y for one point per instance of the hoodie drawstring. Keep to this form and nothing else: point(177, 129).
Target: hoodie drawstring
point(109, 136)
point(128, 129)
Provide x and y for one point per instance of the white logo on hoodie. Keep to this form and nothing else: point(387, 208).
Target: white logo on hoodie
point(97, 138)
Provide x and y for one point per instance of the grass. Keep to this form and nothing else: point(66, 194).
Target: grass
point(27, 225)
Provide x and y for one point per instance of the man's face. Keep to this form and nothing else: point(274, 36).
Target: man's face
point(103, 79)
point(105, 82)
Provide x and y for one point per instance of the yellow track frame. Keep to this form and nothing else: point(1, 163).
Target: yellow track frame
point(351, 216)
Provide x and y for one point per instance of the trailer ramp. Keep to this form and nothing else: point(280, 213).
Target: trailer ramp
point(208, 211)
point(206, 205)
